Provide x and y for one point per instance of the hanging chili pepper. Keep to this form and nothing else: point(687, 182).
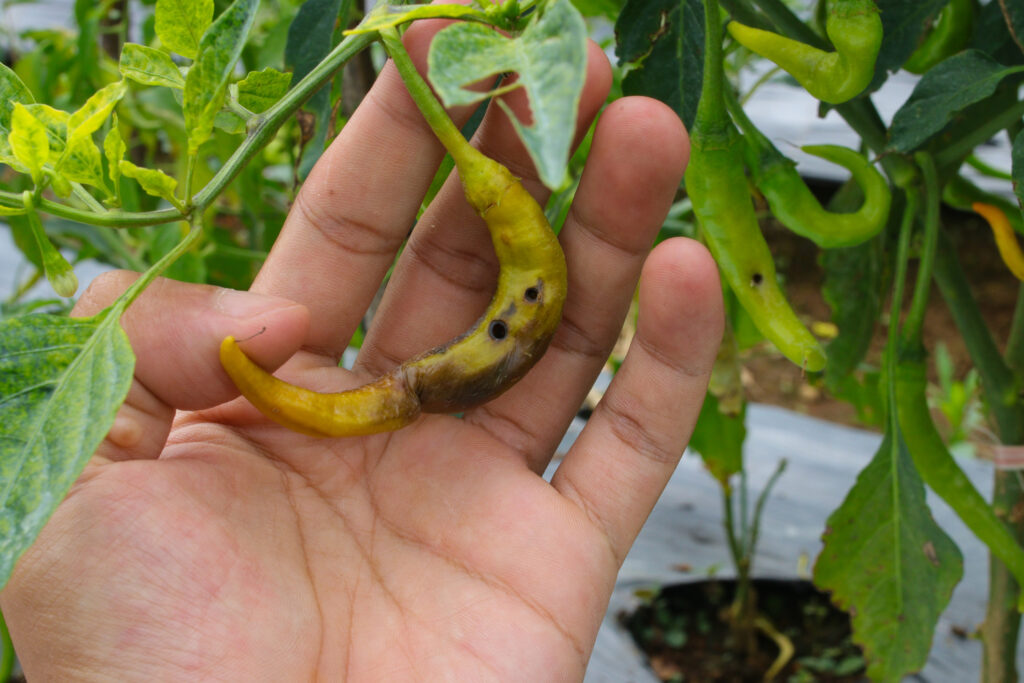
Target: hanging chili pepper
point(792, 202)
point(717, 186)
point(931, 458)
point(951, 33)
point(855, 30)
point(1006, 241)
point(496, 352)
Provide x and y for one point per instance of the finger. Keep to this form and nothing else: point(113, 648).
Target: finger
point(175, 330)
point(625, 455)
point(447, 272)
point(636, 162)
point(356, 207)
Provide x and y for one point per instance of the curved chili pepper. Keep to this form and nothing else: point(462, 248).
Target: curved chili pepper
point(1006, 241)
point(950, 34)
point(855, 30)
point(939, 470)
point(717, 186)
point(793, 203)
point(471, 369)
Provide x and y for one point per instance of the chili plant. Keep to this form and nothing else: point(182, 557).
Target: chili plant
point(884, 558)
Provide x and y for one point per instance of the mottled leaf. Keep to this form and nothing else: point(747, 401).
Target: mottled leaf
point(82, 162)
point(207, 81)
point(385, 15)
point(888, 564)
point(12, 91)
point(180, 24)
point(949, 87)
point(549, 57)
point(152, 180)
point(260, 90)
point(148, 66)
point(28, 140)
point(61, 383)
point(664, 41)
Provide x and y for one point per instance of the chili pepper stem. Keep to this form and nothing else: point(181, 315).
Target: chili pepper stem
point(919, 304)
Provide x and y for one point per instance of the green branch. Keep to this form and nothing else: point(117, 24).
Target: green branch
point(919, 304)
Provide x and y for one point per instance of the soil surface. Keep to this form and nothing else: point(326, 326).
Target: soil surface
point(684, 633)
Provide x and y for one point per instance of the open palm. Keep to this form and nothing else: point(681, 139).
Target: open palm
point(203, 542)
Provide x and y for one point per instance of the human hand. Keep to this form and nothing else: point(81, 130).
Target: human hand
point(204, 542)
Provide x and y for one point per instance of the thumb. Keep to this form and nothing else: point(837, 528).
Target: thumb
point(175, 330)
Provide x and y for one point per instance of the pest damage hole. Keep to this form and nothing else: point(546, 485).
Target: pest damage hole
point(532, 294)
point(757, 279)
point(498, 330)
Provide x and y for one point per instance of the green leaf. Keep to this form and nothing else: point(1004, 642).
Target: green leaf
point(888, 564)
point(12, 91)
point(853, 289)
point(1013, 10)
point(114, 148)
point(180, 24)
point(903, 24)
point(549, 57)
point(153, 181)
point(29, 142)
point(260, 90)
point(148, 66)
point(96, 110)
point(82, 162)
point(56, 124)
point(61, 381)
point(309, 41)
point(385, 15)
point(664, 40)
point(949, 87)
point(207, 81)
point(719, 439)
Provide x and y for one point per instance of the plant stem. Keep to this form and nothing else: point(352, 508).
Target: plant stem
point(919, 304)
point(711, 112)
point(1015, 342)
point(1001, 628)
point(434, 113)
point(962, 144)
point(137, 287)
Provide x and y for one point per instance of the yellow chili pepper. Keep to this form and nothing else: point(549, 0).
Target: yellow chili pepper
point(1006, 241)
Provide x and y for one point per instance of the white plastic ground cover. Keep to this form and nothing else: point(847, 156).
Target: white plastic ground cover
point(824, 458)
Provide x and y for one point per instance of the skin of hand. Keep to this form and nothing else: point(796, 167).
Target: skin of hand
point(204, 542)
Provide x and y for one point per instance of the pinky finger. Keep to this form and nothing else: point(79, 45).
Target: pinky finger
point(623, 459)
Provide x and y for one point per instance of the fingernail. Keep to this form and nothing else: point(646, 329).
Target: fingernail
point(236, 304)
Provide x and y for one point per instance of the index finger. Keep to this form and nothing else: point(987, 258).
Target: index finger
point(356, 207)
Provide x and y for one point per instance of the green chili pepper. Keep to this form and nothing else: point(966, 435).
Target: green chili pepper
point(717, 186)
point(792, 202)
point(855, 30)
point(951, 33)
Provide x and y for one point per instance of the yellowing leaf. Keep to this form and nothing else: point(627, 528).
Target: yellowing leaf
point(114, 149)
point(28, 140)
point(96, 109)
point(147, 66)
point(152, 181)
point(56, 123)
point(81, 162)
point(180, 24)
